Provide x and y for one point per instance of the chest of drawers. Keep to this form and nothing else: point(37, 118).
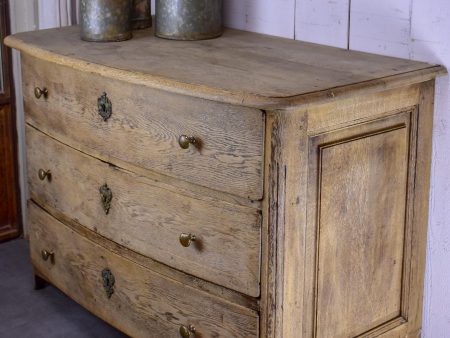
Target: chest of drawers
point(246, 186)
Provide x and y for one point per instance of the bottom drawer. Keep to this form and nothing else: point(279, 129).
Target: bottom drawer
point(130, 297)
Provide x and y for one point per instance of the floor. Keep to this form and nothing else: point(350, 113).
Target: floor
point(48, 313)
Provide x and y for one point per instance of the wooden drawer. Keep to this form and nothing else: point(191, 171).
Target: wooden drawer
point(145, 126)
point(148, 216)
point(143, 303)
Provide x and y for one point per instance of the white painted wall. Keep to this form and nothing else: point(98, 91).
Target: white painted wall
point(415, 29)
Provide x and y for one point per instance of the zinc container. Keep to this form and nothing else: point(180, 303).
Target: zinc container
point(188, 19)
point(106, 20)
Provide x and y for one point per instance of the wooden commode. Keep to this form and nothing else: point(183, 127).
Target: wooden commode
point(247, 186)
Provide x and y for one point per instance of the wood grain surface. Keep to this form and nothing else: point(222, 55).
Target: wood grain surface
point(354, 269)
point(421, 206)
point(361, 187)
point(334, 162)
point(345, 257)
point(144, 303)
point(148, 217)
point(145, 126)
point(151, 264)
point(240, 67)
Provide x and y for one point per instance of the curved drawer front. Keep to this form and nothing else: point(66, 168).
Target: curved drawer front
point(148, 217)
point(143, 127)
point(136, 300)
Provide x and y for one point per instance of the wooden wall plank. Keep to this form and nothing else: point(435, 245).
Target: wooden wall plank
point(430, 29)
point(381, 27)
point(322, 21)
point(54, 13)
point(274, 17)
point(48, 11)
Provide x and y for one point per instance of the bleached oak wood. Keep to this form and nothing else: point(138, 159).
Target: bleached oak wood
point(145, 126)
point(346, 139)
point(283, 220)
point(361, 230)
point(420, 211)
point(244, 68)
point(144, 303)
point(326, 270)
point(338, 113)
point(286, 216)
point(164, 181)
point(157, 267)
point(147, 217)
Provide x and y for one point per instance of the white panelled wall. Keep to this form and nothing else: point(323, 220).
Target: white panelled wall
point(414, 29)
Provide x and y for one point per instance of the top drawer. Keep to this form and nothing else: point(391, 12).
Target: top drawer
point(145, 126)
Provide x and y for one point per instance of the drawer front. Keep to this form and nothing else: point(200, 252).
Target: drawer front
point(147, 216)
point(145, 126)
point(136, 300)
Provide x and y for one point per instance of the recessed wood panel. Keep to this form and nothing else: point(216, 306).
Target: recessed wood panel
point(362, 229)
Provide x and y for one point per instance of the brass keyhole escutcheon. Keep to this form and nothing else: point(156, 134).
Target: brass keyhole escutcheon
point(46, 255)
point(187, 331)
point(44, 174)
point(104, 107)
point(184, 141)
point(108, 282)
point(38, 92)
point(106, 198)
point(187, 239)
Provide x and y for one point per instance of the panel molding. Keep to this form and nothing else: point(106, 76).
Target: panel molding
point(317, 144)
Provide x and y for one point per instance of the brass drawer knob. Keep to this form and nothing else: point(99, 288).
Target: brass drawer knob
point(44, 174)
point(38, 92)
point(46, 255)
point(187, 239)
point(187, 331)
point(184, 141)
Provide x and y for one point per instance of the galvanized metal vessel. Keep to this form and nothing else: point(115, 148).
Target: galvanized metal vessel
point(188, 19)
point(105, 20)
point(142, 14)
